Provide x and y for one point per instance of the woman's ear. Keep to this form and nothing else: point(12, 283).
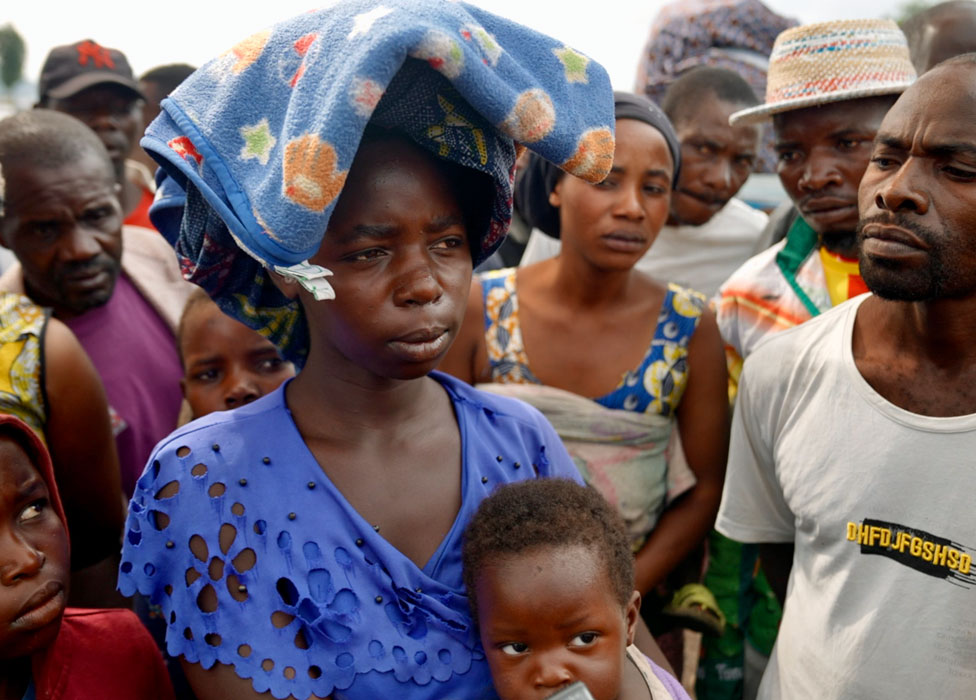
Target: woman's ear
point(632, 615)
point(554, 195)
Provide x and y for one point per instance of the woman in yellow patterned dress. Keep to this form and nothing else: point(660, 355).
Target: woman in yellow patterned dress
point(642, 354)
point(47, 380)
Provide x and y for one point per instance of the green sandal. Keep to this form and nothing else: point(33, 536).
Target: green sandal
point(694, 607)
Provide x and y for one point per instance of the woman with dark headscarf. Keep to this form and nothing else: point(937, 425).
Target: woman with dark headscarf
point(610, 356)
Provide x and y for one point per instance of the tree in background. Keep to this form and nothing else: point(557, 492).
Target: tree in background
point(12, 52)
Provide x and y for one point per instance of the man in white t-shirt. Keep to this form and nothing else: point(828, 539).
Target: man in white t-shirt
point(709, 233)
point(853, 456)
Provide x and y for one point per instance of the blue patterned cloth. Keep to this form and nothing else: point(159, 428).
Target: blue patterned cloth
point(262, 137)
point(656, 386)
point(309, 598)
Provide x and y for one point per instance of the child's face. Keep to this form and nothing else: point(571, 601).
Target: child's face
point(549, 618)
point(227, 364)
point(34, 558)
point(398, 248)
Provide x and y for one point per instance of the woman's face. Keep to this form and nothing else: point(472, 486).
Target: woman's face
point(398, 247)
point(613, 223)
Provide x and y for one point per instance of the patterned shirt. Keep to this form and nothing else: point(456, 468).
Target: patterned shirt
point(781, 287)
point(22, 325)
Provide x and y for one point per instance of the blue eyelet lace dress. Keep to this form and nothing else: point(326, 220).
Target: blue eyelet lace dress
point(309, 598)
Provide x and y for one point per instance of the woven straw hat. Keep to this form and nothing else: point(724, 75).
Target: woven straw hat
point(831, 62)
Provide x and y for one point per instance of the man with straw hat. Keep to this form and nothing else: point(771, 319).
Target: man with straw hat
point(854, 434)
point(829, 86)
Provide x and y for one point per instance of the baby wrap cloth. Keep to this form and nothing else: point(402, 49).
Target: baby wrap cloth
point(261, 138)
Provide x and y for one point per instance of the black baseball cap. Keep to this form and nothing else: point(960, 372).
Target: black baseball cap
point(70, 69)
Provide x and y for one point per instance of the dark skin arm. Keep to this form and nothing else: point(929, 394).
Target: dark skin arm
point(221, 682)
point(79, 436)
point(777, 562)
point(703, 420)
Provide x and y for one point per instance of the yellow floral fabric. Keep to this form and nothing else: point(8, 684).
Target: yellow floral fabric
point(22, 326)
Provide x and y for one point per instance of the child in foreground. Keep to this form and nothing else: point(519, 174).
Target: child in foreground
point(48, 651)
point(225, 363)
point(550, 578)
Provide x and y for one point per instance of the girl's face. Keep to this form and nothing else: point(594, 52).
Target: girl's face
point(398, 248)
point(613, 223)
point(548, 618)
point(34, 558)
point(227, 363)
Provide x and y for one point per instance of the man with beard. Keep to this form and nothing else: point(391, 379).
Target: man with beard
point(825, 114)
point(709, 232)
point(854, 436)
point(119, 289)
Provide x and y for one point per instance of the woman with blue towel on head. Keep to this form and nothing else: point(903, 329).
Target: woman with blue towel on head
point(343, 172)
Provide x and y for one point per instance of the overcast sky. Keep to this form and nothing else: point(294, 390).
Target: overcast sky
point(193, 31)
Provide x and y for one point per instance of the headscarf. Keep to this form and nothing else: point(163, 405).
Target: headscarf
point(38, 455)
point(261, 138)
point(536, 182)
point(734, 34)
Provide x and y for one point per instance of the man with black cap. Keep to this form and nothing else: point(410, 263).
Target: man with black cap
point(95, 84)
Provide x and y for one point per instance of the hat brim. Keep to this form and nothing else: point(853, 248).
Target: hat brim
point(760, 113)
point(90, 79)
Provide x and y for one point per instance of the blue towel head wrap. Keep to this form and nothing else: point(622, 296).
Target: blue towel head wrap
point(261, 138)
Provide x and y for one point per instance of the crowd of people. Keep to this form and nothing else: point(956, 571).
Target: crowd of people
point(392, 354)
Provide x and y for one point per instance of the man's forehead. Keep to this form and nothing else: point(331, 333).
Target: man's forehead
point(940, 108)
point(34, 185)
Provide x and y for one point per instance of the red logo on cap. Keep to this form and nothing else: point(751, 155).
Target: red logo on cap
point(98, 55)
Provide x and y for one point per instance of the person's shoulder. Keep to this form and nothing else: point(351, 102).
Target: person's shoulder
point(142, 246)
point(97, 621)
point(144, 239)
point(752, 271)
point(498, 408)
point(688, 296)
point(19, 314)
point(238, 421)
point(107, 633)
point(803, 340)
point(109, 653)
point(738, 212)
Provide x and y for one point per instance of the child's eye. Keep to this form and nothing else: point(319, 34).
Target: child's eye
point(270, 364)
point(207, 375)
point(514, 648)
point(34, 510)
point(584, 639)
